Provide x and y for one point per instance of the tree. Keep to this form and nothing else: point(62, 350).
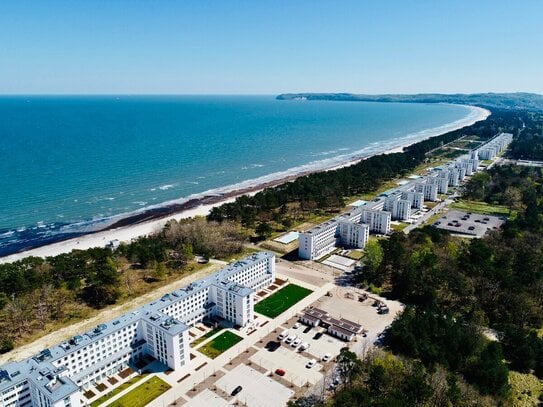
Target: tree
point(373, 257)
point(512, 198)
point(348, 366)
point(264, 230)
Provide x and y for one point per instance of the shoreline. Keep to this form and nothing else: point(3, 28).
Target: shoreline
point(151, 220)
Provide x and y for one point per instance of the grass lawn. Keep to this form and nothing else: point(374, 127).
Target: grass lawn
point(282, 300)
point(525, 389)
point(399, 227)
point(117, 390)
point(204, 337)
point(482, 207)
point(143, 394)
point(355, 254)
point(220, 344)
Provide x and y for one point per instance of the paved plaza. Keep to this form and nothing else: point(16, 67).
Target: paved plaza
point(258, 390)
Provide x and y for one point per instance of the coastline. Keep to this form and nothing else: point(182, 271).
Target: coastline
point(152, 219)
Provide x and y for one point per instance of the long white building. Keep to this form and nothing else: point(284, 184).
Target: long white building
point(56, 376)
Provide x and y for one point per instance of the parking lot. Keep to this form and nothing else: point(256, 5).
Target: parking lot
point(317, 347)
point(258, 390)
point(344, 304)
point(472, 224)
point(207, 399)
point(292, 362)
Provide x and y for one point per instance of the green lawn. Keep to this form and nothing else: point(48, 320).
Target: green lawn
point(399, 227)
point(525, 389)
point(204, 337)
point(282, 300)
point(221, 343)
point(117, 390)
point(143, 394)
point(482, 207)
point(355, 254)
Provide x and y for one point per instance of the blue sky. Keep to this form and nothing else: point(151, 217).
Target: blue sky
point(269, 47)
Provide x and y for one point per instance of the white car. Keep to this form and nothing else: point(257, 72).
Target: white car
point(303, 346)
point(290, 338)
point(296, 325)
point(296, 342)
point(283, 335)
point(311, 363)
point(326, 357)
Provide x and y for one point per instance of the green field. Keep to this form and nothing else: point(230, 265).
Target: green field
point(143, 394)
point(206, 336)
point(282, 300)
point(117, 390)
point(482, 207)
point(220, 344)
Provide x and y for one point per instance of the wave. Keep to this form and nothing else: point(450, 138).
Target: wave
point(15, 240)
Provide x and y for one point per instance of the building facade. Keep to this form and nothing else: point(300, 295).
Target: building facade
point(56, 376)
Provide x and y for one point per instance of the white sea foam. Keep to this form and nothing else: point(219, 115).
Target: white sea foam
point(165, 187)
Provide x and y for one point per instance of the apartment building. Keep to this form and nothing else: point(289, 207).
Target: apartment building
point(56, 376)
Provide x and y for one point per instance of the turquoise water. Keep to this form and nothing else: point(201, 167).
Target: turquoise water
point(71, 164)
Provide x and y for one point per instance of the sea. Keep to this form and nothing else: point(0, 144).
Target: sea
point(70, 165)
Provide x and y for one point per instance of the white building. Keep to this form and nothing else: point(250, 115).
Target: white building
point(416, 199)
point(354, 234)
point(56, 376)
point(401, 209)
point(378, 221)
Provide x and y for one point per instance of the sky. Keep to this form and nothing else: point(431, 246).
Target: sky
point(270, 47)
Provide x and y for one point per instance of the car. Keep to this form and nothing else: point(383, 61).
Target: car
point(303, 346)
point(376, 303)
point(487, 219)
point(383, 310)
point(296, 342)
point(450, 224)
point(306, 330)
point(290, 339)
point(236, 390)
point(471, 228)
point(457, 225)
point(478, 220)
point(311, 363)
point(296, 325)
point(279, 372)
point(317, 335)
point(326, 357)
point(283, 335)
point(272, 346)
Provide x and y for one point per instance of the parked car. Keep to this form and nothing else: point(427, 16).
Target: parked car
point(311, 363)
point(296, 342)
point(303, 346)
point(290, 339)
point(296, 325)
point(272, 346)
point(317, 335)
point(326, 357)
point(279, 372)
point(383, 310)
point(283, 335)
point(471, 228)
point(236, 390)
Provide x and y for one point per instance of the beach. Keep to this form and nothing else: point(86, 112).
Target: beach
point(153, 219)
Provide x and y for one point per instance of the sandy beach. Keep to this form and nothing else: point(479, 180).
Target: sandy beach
point(151, 222)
